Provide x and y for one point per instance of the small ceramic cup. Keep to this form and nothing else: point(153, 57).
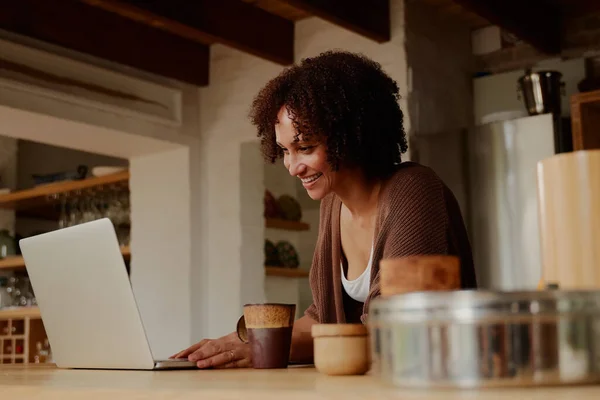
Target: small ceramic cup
point(341, 349)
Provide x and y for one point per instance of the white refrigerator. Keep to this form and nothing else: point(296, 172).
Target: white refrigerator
point(504, 231)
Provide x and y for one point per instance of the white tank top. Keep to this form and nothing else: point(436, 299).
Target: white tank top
point(358, 288)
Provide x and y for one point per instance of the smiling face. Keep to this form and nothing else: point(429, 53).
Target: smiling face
point(306, 160)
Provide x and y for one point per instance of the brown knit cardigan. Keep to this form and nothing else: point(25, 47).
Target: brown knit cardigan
point(417, 214)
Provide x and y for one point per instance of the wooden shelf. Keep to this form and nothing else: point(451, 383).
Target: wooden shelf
point(20, 312)
point(286, 272)
point(12, 262)
point(586, 97)
point(42, 201)
point(286, 225)
point(126, 251)
point(17, 262)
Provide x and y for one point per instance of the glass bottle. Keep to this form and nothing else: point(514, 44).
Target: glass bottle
point(43, 353)
point(5, 297)
point(7, 244)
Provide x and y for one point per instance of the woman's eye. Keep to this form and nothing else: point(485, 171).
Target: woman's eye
point(305, 148)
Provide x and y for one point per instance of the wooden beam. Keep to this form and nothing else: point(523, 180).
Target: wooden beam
point(533, 21)
point(230, 22)
point(368, 18)
point(583, 6)
point(77, 26)
point(576, 8)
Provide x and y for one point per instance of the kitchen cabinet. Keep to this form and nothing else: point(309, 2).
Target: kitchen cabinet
point(585, 120)
point(22, 336)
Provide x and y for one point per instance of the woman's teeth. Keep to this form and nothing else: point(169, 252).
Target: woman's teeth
point(311, 178)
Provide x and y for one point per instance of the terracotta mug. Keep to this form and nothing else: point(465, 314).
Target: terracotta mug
point(268, 329)
point(419, 273)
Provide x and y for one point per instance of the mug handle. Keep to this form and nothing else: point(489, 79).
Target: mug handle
point(240, 328)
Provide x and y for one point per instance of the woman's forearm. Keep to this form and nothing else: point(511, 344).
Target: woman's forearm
point(302, 342)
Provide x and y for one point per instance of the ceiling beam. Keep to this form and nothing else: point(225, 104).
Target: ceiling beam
point(229, 22)
point(368, 18)
point(577, 8)
point(76, 26)
point(533, 21)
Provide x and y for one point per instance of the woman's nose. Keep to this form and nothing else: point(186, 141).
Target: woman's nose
point(295, 167)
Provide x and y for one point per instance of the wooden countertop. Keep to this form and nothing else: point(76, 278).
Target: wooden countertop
point(42, 382)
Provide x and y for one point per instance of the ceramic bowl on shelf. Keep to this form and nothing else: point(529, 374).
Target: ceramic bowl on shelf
point(290, 208)
point(44, 179)
point(271, 255)
point(102, 170)
point(271, 206)
point(287, 254)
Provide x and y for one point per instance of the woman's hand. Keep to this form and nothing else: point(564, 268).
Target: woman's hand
point(226, 352)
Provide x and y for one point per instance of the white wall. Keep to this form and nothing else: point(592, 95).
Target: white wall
point(440, 99)
point(438, 52)
point(498, 92)
point(253, 228)
point(235, 78)
point(161, 243)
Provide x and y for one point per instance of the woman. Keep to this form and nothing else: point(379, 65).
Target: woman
point(336, 122)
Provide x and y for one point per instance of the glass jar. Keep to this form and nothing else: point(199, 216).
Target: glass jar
point(7, 244)
point(5, 297)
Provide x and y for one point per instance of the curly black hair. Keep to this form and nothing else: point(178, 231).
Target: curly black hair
point(345, 100)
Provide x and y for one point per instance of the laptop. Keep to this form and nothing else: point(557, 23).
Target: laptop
point(86, 301)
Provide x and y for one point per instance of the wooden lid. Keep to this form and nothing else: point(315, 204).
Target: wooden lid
point(320, 330)
point(419, 273)
point(269, 315)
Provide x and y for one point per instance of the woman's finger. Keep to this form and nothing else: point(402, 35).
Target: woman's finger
point(209, 349)
point(190, 350)
point(217, 360)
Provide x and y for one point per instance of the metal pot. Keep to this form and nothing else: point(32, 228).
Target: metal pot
point(482, 338)
point(541, 91)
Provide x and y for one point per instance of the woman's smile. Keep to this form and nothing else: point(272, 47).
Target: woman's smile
point(310, 180)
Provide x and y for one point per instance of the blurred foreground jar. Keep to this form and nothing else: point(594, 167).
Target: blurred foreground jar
point(479, 338)
point(569, 214)
point(417, 273)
